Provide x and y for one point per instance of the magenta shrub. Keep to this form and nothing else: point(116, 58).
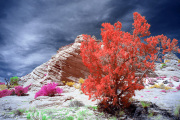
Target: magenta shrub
point(2, 83)
point(49, 90)
point(175, 78)
point(163, 91)
point(170, 84)
point(20, 91)
point(178, 87)
point(4, 93)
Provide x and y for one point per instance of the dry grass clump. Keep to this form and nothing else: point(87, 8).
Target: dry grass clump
point(70, 84)
point(77, 86)
point(81, 80)
point(160, 86)
point(3, 87)
point(167, 88)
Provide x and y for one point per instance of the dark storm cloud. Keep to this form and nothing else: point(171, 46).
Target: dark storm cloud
point(33, 30)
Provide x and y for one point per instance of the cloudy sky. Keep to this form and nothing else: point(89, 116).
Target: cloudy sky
point(31, 31)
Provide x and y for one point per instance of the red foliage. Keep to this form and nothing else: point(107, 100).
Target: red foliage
point(113, 63)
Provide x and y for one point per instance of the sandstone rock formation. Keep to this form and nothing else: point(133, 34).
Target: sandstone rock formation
point(66, 66)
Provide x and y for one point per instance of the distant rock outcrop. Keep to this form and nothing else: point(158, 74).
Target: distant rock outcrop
point(171, 61)
point(66, 66)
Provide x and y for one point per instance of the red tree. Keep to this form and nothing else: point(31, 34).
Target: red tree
point(113, 62)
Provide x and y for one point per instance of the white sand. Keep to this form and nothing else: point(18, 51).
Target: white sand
point(169, 100)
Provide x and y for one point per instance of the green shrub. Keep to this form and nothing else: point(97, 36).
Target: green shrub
point(69, 118)
point(14, 80)
point(177, 111)
point(144, 104)
point(37, 116)
point(18, 112)
point(150, 114)
point(163, 65)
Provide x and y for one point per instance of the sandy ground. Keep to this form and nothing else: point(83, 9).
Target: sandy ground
point(169, 100)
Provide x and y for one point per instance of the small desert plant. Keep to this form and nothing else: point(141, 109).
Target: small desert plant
point(167, 88)
point(94, 107)
point(20, 91)
point(151, 81)
point(70, 84)
point(163, 65)
point(2, 83)
point(144, 104)
point(167, 61)
point(77, 86)
point(28, 116)
point(69, 118)
point(76, 103)
point(177, 111)
point(14, 80)
point(81, 80)
point(178, 87)
point(3, 87)
point(150, 114)
point(175, 78)
point(170, 84)
point(37, 116)
point(19, 112)
point(49, 90)
point(82, 114)
point(5, 92)
point(163, 91)
point(161, 86)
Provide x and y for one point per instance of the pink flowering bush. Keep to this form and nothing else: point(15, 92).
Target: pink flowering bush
point(178, 87)
point(2, 83)
point(49, 90)
point(170, 84)
point(163, 91)
point(20, 91)
point(4, 93)
point(151, 81)
point(175, 78)
point(163, 77)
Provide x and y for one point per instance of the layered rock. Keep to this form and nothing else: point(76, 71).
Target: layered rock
point(66, 66)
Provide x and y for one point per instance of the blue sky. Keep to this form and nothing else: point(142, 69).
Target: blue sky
point(31, 31)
